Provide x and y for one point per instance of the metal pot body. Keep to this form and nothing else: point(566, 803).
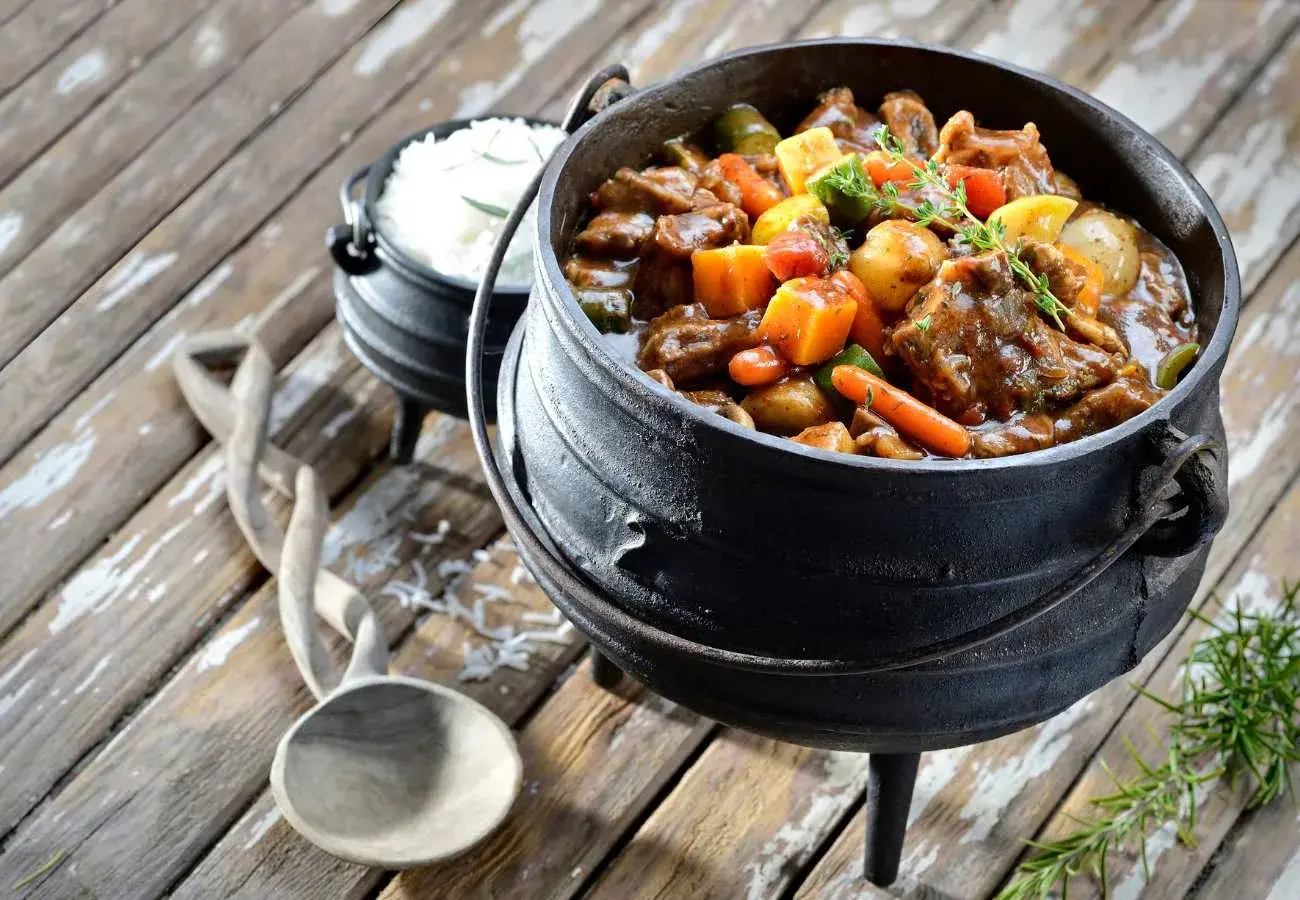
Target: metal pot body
point(405, 321)
point(699, 531)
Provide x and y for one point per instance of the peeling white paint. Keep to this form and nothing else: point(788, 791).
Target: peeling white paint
point(543, 27)
point(156, 593)
point(144, 429)
point(1035, 34)
point(402, 29)
point(208, 47)
point(657, 36)
point(164, 352)
point(1248, 451)
point(1287, 886)
point(331, 429)
point(1159, 95)
point(85, 69)
point(937, 770)
point(93, 588)
point(9, 700)
point(219, 650)
point(136, 272)
point(11, 225)
point(60, 520)
point(209, 285)
point(844, 776)
point(200, 556)
point(208, 483)
point(51, 472)
point(302, 384)
point(336, 8)
point(1001, 783)
point(94, 673)
point(259, 829)
point(294, 288)
point(96, 408)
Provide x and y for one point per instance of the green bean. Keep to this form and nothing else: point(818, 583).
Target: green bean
point(1174, 363)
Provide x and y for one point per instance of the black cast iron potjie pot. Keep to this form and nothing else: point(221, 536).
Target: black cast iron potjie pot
point(405, 321)
point(850, 602)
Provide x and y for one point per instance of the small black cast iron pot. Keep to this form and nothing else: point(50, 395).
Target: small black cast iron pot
point(855, 602)
point(406, 322)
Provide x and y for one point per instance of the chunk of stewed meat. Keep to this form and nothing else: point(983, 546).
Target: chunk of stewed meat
point(664, 276)
point(614, 233)
point(908, 119)
point(873, 436)
point(1022, 434)
point(1019, 155)
point(722, 404)
point(666, 189)
point(591, 272)
point(1066, 279)
point(854, 128)
point(1106, 407)
point(724, 191)
point(974, 340)
point(687, 345)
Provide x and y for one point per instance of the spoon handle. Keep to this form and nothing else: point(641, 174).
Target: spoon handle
point(238, 417)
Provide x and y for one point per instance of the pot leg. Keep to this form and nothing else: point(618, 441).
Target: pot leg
point(406, 429)
point(890, 778)
point(603, 670)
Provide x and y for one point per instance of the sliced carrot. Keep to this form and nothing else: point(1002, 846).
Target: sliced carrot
point(883, 168)
point(808, 319)
point(984, 190)
point(757, 366)
point(757, 194)
point(924, 424)
point(731, 280)
point(1088, 300)
point(868, 327)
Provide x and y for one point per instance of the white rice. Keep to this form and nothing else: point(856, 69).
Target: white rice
point(446, 200)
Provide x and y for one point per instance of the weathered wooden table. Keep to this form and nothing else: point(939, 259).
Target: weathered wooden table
point(168, 167)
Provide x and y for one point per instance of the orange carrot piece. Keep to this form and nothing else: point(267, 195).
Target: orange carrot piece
point(924, 424)
point(808, 319)
point(882, 168)
point(1088, 300)
point(757, 194)
point(731, 280)
point(757, 366)
point(868, 328)
point(984, 190)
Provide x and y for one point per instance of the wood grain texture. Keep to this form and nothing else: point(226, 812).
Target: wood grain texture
point(1250, 164)
point(38, 31)
point(247, 187)
point(978, 803)
point(1260, 857)
point(48, 485)
point(260, 856)
point(937, 21)
point(1254, 584)
point(102, 138)
point(141, 603)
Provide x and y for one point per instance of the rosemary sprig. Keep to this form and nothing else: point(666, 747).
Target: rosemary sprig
point(1237, 716)
point(953, 214)
point(490, 209)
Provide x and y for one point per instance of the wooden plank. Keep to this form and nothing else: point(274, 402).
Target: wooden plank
point(214, 726)
point(935, 21)
point(143, 601)
point(39, 289)
point(1260, 858)
point(980, 802)
point(1253, 584)
point(1250, 164)
point(38, 31)
point(59, 482)
point(104, 138)
point(1189, 61)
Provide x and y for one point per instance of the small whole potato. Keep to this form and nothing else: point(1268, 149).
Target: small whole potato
point(1110, 242)
point(788, 407)
point(896, 258)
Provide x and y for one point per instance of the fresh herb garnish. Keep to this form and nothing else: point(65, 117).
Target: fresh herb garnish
point(1237, 717)
point(842, 234)
point(953, 214)
point(838, 259)
point(923, 323)
point(490, 209)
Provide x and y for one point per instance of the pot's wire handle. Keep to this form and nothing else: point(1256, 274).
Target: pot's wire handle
point(351, 245)
point(1200, 479)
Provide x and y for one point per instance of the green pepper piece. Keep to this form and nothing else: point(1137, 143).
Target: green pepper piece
point(843, 188)
point(743, 129)
point(685, 155)
point(1173, 364)
point(609, 309)
point(852, 355)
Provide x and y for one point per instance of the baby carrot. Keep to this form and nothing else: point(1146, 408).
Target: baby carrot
point(927, 426)
point(757, 194)
point(757, 366)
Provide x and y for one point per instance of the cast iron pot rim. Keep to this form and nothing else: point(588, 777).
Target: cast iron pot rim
point(641, 390)
point(377, 178)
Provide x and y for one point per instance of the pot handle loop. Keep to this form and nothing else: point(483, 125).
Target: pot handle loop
point(351, 244)
point(1193, 472)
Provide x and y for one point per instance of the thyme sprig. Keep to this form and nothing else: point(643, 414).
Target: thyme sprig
point(1239, 715)
point(953, 213)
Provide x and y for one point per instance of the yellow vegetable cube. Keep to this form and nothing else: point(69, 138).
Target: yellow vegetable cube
point(779, 217)
point(802, 154)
